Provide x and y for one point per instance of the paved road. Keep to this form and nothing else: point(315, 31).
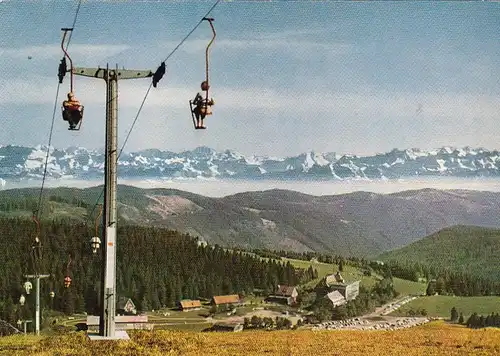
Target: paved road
point(391, 306)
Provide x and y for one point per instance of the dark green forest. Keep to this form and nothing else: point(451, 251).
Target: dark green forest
point(469, 249)
point(155, 267)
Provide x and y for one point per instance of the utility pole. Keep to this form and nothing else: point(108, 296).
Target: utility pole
point(37, 298)
point(108, 276)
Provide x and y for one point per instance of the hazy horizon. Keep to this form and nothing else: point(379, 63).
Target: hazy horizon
point(219, 188)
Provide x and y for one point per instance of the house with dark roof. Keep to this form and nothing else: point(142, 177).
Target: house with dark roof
point(284, 294)
point(187, 304)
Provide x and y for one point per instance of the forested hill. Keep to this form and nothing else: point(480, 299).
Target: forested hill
point(358, 224)
point(475, 250)
point(155, 267)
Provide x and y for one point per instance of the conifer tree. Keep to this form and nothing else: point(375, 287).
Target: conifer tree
point(454, 314)
point(461, 318)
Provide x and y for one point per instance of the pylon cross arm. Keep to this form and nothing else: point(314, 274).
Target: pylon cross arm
point(121, 73)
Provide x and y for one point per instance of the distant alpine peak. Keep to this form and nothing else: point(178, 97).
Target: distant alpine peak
point(18, 162)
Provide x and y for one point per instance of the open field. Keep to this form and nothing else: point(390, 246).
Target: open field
point(440, 305)
point(405, 287)
point(436, 338)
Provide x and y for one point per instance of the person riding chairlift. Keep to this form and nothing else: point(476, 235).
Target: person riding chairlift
point(72, 108)
point(202, 105)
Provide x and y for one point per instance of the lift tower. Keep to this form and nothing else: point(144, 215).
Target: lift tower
point(108, 277)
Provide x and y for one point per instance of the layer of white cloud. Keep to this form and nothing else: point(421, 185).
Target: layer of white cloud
point(378, 104)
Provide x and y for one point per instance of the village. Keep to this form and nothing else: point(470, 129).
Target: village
point(278, 310)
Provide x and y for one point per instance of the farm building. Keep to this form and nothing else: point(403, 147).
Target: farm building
point(335, 282)
point(334, 278)
point(187, 304)
point(336, 298)
point(226, 299)
point(284, 294)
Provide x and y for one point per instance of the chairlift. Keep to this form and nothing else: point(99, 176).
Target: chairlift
point(72, 110)
point(204, 108)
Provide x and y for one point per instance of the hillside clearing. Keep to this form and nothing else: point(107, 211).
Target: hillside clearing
point(350, 273)
point(405, 287)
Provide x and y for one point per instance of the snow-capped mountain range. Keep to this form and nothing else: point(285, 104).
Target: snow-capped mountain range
point(76, 162)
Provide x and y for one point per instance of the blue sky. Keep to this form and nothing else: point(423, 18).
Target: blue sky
point(347, 77)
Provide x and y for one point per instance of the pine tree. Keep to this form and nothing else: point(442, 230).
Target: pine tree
point(79, 303)
point(68, 301)
point(431, 290)
point(472, 322)
point(440, 286)
point(454, 314)
point(461, 318)
point(144, 306)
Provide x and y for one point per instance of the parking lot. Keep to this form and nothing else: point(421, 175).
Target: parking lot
point(378, 320)
point(385, 323)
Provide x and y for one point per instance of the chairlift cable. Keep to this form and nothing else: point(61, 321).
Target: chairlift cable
point(194, 29)
point(149, 89)
point(37, 211)
point(74, 22)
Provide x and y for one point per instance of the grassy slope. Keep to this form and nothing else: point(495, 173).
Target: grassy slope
point(405, 287)
point(441, 305)
point(435, 338)
point(461, 248)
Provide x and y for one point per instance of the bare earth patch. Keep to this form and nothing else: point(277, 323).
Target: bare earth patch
point(166, 206)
